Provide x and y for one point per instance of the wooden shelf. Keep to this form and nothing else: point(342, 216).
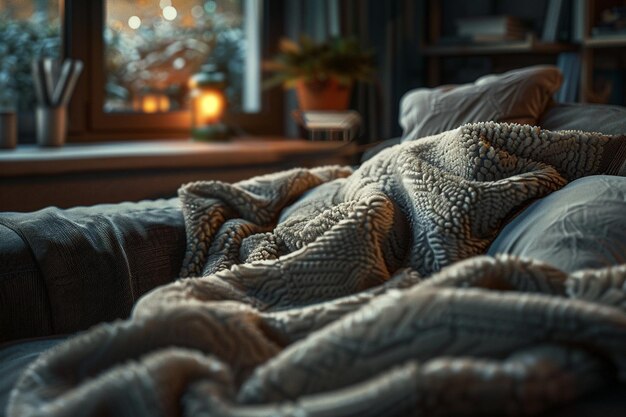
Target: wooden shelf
point(530, 46)
point(607, 41)
point(603, 49)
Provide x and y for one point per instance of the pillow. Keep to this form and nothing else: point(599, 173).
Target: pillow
point(518, 96)
point(610, 120)
point(580, 226)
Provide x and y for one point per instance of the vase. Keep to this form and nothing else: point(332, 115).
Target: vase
point(323, 95)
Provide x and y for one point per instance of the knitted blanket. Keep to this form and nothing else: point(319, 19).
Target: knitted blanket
point(327, 292)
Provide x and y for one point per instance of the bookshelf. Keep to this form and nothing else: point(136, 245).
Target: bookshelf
point(605, 42)
point(601, 53)
point(603, 56)
point(529, 46)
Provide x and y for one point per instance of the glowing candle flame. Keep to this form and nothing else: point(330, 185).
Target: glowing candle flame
point(210, 106)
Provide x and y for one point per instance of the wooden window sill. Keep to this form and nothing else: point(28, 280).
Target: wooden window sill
point(28, 160)
point(32, 178)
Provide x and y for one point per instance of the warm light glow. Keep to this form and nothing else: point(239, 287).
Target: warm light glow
point(153, 103)
point(210, 106)
point(164, 103)
point(150, 104)
point(170, 13)
point(134, 22)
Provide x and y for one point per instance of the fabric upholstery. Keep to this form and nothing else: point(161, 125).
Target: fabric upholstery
point(581, 226)
point(87, 264)
point(24, 305)
point(518, 96)
point(610, 120)
point(348, 304)
point(14, 357)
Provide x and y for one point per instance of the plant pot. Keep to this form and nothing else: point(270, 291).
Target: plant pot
point(323, 95)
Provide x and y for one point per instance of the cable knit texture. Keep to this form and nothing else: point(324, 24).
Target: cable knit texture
point(330, 292)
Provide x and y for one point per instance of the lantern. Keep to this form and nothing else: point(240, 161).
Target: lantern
point(208, 104)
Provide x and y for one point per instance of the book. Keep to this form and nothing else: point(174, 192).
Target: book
point(604, 32)
point(570, 65)
point(496, 38)
point(578, 20)
point(329, 125)
point(551, 21)
point(491, 26)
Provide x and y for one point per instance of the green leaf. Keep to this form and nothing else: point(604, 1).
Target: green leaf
point(340, 58)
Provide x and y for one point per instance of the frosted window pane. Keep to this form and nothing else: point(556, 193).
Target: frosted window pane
point(153, 47)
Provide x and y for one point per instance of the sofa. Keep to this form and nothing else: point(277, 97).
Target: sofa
point(67, 270)
point(138, 246)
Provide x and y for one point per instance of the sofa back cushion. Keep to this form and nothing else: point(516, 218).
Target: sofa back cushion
point(580, 226)
point(518, 96)
point(610, 120)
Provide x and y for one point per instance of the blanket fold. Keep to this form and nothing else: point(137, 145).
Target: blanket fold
point(331, 292)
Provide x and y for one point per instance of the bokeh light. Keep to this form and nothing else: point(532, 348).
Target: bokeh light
point(170, 13)
point(134, 22)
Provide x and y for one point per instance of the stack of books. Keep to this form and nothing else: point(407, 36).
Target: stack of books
point(329, 125)
point(491, 29)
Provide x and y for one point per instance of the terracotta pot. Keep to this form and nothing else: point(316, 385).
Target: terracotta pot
point(323, 95)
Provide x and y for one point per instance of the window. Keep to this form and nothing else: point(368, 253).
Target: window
point(139, 55)
point(152, 48)
point(28, 29)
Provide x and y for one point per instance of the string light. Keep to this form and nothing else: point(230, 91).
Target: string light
point(170, 13)
point(134, 22)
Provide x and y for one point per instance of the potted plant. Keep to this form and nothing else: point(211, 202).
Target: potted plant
point(322, 73)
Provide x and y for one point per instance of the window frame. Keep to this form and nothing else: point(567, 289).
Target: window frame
point(82, 39)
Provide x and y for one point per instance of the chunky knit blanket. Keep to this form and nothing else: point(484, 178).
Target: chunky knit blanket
point(327, 292)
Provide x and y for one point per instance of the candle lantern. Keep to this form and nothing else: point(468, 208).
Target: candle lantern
point(208, 104)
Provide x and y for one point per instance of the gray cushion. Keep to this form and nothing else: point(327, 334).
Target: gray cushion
point(518, 96)
point(610, 120)
point(580, 226)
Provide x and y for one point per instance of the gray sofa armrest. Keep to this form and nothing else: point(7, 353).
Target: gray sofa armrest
point(24, 306)
point(70, 269)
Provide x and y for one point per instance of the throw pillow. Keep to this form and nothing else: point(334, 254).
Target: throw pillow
point(580, 226)
point(518, 96)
